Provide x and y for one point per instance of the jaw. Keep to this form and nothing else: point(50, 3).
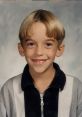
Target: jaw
point(40, 67)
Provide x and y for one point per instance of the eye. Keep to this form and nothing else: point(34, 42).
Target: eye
point(49, 45)
point(30, 44)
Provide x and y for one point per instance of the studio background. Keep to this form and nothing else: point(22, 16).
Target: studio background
point(11, 15)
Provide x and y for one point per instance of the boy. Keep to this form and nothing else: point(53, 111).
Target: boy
point(43, 89)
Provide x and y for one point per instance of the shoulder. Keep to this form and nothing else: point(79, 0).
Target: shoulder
point(9, 84)
point(73, 84)
point(76, 103)
point(76, 80)
point(76, 84)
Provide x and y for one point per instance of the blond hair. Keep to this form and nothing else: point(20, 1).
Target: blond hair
point(54, 28)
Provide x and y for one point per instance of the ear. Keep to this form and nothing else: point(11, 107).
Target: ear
point(60, 50)
point(20, 49)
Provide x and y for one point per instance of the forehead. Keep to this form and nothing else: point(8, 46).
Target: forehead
point(37, 30)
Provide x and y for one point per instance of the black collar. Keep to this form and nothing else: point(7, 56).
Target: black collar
point(58, 81)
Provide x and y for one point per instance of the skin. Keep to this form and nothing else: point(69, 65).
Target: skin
point(40, 52)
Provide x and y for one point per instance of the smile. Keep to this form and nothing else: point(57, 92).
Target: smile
point(39, 61)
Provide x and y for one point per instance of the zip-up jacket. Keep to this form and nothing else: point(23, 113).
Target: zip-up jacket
point(63, 102)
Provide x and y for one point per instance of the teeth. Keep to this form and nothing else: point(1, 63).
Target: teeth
point(39, 61)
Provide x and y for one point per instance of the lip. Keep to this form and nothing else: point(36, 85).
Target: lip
point(39, 61)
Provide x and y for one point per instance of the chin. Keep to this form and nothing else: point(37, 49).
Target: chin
point(39, 70)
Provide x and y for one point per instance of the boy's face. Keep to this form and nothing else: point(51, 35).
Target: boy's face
point(39, 50)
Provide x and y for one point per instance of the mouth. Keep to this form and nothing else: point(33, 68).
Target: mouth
point(39, 61)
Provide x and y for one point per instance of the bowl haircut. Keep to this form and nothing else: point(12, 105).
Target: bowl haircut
point(54, 27)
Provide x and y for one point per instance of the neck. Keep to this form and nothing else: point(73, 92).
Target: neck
point(43, 80)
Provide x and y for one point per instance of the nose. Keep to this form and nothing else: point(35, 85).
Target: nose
point(39, 50)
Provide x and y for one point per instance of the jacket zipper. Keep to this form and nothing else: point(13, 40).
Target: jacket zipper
point(42, 104)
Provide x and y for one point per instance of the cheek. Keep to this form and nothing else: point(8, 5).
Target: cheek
point(52, 53)
point(29, 53)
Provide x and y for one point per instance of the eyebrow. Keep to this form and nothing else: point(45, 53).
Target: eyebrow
point(29, 39)
point(49, 39)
